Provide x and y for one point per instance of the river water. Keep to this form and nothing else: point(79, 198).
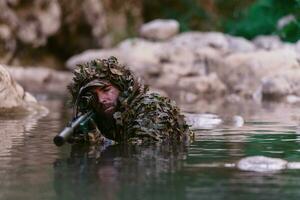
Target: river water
point(32, 167)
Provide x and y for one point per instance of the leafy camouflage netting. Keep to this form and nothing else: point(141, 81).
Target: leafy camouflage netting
point(140, 116)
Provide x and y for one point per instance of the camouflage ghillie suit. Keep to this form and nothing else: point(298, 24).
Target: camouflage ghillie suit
point(141, 116)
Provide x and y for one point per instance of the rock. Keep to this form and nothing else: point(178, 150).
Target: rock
point(239, 44)
point(27, 27)
point(297, 47)
point(262, 164)
point(285, 20)
point(166, 81)
point(244, 72)
point(275, 87)
point(188, 97)
point(184, 69)
point(163, 64)
point(32, 26)
point(196, 40)
point(268, 42)
point(159, 29)
point(88, 55)
point(12, 95)
point(41, 80)
point(292, 99)
point(95, 15)
point(233, 99)
point(209, 85)
point(139, 54)
point(282, 83)
point(202, 121)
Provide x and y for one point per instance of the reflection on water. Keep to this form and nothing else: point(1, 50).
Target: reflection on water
point(32, 167)
point(118, 171)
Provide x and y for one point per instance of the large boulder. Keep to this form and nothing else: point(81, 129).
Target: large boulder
point(12, 95)
point(247, 73)
point(159, 29)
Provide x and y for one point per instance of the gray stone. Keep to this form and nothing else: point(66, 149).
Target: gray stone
point(239, 44)
point(285, 20)
point(268, 42)
point(202, 121)
point(140, 54)
point(262, 164)
point(12, 95)
point(292, 99)
point(297, 47)
point(159, 29)
point(89, 55)
point(196, 40)
point(244, 72)
point(276, 87)
point(203, 85)
point(41, 80)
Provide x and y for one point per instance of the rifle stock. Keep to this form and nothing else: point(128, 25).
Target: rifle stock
point(67, 132)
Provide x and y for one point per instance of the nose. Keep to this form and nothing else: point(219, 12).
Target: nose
point(101, 97)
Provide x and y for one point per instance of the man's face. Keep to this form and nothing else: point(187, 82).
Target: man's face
point(106, 97)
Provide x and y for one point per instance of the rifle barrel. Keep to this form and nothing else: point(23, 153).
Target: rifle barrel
point(63, 136)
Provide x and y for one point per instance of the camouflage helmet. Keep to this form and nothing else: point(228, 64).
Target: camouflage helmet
point(107, 70)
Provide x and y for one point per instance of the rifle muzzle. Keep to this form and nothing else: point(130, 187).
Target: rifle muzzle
point(60, 139)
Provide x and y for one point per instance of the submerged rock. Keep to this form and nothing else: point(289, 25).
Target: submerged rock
point(210, 121)
point(202, 121)
point(262, 164)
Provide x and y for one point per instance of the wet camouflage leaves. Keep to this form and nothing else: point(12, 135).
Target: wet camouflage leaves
point(154, 118)
point(141, 116)
point(109, 70)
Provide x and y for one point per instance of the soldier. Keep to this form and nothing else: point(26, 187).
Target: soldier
point(125, 110)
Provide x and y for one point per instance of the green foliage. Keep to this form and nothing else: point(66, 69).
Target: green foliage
point(193, 14)
point(186, 12)
point(291, 32)
point(262, 17)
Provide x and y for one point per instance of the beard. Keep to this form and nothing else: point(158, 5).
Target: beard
point(105, 120)
point(105, 111)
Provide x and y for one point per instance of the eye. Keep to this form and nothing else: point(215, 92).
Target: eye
point(106, 89)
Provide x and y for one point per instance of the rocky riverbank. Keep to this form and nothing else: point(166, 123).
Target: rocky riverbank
point(193, 66)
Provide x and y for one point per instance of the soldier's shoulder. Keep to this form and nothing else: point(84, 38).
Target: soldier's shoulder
point(158, 117)
point(158, 100)
point(155, 106)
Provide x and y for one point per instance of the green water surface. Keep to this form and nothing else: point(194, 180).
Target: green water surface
point(31, 167)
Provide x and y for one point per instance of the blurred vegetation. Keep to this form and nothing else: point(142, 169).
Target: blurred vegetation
point(262, 18)
point(206, 15)
point(247, 18)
